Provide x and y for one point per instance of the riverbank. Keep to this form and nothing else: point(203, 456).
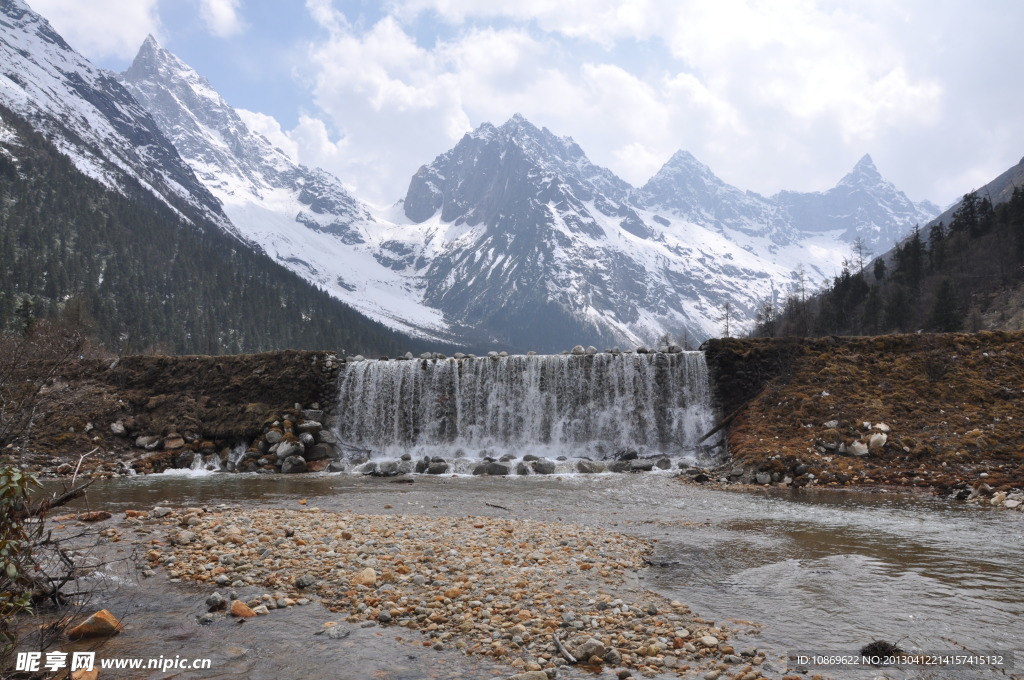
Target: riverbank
point(783, 571)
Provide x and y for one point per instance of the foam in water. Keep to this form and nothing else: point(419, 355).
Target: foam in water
point(592, 406)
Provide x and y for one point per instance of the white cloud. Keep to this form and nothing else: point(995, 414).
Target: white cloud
point(102, 28)
point(221, 17)
point(314, 145)
point(735, 82)
point(739, 79)
point(601, 21)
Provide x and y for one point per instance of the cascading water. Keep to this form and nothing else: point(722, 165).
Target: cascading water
point(593, 406)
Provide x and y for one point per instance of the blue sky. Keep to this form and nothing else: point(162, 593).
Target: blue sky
point(786, 94)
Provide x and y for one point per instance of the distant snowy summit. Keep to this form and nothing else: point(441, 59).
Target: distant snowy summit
point(863, 205)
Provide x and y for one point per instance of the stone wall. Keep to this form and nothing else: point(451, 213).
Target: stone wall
point(151, 412)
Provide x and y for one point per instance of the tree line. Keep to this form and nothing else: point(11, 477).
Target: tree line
point(953, 277)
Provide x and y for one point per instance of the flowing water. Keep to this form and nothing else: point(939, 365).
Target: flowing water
point(560, 405)
point(825, 572)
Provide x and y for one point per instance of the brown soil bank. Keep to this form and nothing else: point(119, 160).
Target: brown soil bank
point(941, 411)
point(192, 403)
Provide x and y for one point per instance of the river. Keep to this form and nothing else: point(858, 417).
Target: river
point(815, 571)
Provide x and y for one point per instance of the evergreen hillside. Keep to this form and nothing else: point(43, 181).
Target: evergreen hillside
point(141, 278)
point(964, 274)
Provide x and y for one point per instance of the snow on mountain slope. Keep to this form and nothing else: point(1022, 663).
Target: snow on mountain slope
point(302, 217)
point(514, 237)
point(549, 246)
point(812, 232)
point(90, 117)
point(687, 188)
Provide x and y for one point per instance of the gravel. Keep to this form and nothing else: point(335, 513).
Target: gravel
point(500, 588)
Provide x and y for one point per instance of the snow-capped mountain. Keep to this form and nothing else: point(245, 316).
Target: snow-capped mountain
point(688, 189)
point(512, 237)
point(534, 240)
point(864, 204)
point(91, 118)
point(526, 237)
point(304, 218)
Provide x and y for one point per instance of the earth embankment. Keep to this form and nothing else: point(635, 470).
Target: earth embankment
point(942, 411)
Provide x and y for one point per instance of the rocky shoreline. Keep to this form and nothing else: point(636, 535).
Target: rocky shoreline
point(537, 596)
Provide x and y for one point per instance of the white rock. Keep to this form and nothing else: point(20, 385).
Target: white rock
point(857, 448)
point(877, 440)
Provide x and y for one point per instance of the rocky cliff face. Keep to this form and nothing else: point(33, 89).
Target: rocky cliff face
point(234, 162)
point(523, 253)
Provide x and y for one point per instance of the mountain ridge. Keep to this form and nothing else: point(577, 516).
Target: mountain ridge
point(513, 236)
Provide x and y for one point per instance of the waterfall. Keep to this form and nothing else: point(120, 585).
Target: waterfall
point(592, 406)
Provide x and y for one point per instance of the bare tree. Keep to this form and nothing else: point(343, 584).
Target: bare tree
point(767, 318)
point(34, 566)
point(726, 318)
point(684, 339)
point(28, 361)
point(861, 253)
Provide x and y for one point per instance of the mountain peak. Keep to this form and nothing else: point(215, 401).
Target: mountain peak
point(866, 166)
point(683, 157)
point(683, 160)
point(689, 188)
point(150, 46)
point(518, 126)
point(863, 171)
point(152, 58)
